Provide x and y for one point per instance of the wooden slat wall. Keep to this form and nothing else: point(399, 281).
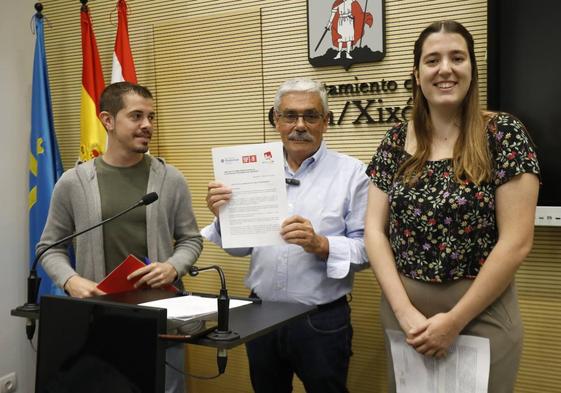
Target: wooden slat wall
point(222, 108)
point(214, 67)
point(539, 289)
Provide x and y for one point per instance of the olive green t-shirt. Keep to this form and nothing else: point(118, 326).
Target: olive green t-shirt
point(119, 188)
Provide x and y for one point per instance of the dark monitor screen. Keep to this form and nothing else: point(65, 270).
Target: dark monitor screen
point(524, 60)
point(91, 346)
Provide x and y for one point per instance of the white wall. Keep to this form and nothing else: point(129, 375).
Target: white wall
point(16, 63)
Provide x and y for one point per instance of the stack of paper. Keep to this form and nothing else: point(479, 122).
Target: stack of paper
point(189, 307)
point(464, 369)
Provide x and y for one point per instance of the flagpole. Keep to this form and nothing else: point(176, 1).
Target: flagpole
point(33, 281)
point(45, 168)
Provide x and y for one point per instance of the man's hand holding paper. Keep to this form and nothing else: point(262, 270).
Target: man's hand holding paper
point(217, 195)
point(300, 231)
point(249, 194)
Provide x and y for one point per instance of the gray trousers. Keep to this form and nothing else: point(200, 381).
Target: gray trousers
point(500, 322)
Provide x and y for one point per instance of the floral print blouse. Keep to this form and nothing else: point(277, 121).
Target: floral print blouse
point(442, 230)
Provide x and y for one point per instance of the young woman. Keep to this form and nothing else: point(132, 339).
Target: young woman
point(451, 211)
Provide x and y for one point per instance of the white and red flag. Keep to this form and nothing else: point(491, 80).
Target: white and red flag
point(123, 63)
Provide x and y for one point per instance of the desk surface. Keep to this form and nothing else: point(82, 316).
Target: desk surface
point(249, 322)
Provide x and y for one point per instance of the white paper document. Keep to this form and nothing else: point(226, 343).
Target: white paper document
point(189, 307)
point(465, 369)
point(258, 206)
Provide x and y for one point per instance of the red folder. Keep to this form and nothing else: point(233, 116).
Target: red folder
point(116, 281)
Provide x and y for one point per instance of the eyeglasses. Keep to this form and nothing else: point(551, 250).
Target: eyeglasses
point(308, 117)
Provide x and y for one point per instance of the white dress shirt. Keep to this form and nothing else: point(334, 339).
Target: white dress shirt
point(332, 195)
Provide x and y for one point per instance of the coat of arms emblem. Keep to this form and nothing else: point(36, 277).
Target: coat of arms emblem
point(345, 32)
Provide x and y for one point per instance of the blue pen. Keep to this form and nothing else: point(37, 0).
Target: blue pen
point(147, 261)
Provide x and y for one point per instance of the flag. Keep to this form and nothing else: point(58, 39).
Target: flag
point(92, 133)
point(123, 63)
point(45, 166)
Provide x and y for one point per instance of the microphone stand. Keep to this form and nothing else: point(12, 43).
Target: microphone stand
point(34, 281)
point(222, 332)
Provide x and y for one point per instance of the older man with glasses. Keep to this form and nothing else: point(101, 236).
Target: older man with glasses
point(324, 248)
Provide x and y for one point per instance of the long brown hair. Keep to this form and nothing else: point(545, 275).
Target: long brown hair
point(471, 158)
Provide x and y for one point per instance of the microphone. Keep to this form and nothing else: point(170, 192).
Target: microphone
point(222, 332)
point(34, 281)
point(147, 199)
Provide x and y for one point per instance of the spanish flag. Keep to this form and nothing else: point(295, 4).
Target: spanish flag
point(123, 63)
point(92, 133)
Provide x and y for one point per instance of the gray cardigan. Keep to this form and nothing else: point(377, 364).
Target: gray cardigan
point(171, 228)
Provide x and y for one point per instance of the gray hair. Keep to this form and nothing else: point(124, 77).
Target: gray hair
point(306, 85)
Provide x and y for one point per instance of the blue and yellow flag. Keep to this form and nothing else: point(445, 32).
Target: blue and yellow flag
point(45, 166)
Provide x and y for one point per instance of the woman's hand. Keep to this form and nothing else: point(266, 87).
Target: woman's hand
point(435, 338)
point(411, 320)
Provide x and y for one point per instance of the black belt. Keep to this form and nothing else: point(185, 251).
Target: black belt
point(335, 303)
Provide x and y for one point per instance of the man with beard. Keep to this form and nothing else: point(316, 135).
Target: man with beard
point(164, 232)
point(324, 248)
